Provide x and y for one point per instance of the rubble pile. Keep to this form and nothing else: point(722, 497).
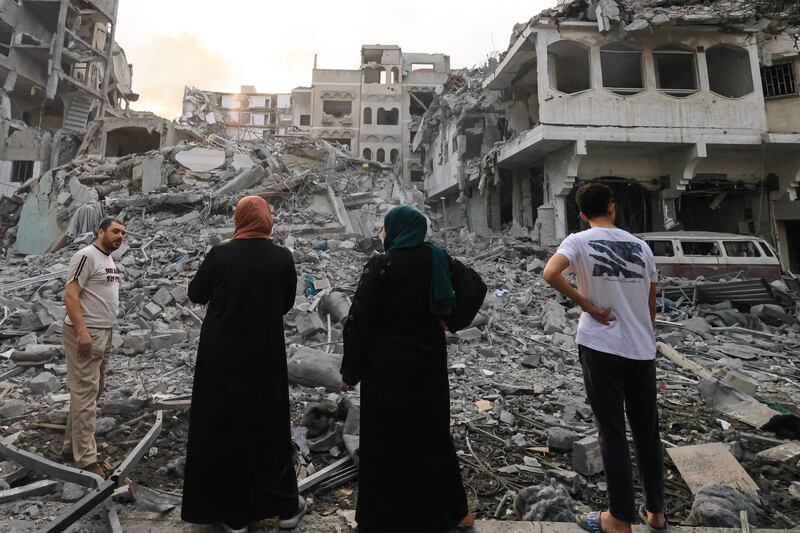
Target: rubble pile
point(525, 436)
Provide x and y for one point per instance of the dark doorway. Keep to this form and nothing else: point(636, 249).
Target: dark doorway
point(132, 140)
point(506, 196)
point(633, 206)
point(793, 242)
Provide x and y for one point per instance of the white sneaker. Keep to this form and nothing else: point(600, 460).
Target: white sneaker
point(291, 523)
point(229, 529)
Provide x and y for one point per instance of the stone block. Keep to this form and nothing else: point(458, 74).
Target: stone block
point(561, 439)
point(470, 334)
point(150, 311)
point(166, 339)
point(564, 341)
point(44, 382)
point(70, 492)
point(740, 382)
point(163, 297)
point(309, 324)
point(104, 425)
point(137, 339)
point(13, 408)
point(586, 458)
point(554, 317)
point(180, 294)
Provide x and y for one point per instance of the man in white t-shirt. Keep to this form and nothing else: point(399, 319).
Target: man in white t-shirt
point(92, 301)
point(616, 276)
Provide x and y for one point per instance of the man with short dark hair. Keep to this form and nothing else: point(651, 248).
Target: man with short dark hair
point(616, 277)
point(92, 301)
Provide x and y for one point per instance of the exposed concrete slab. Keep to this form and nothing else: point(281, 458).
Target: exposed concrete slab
point(201, 159)
point(152, 178)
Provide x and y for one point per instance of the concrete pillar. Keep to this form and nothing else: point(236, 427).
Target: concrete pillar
point(516, 198)
point(493, 208)
point(527, 199)
point(560, 216)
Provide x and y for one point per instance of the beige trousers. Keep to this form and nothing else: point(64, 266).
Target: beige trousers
point(85, 379)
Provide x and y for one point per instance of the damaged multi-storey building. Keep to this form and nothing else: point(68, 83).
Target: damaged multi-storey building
point(689, 111)
point(61, 70)
point(376, 110)
point(248, 115)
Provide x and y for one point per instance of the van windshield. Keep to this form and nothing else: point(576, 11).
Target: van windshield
point(741, 249)
point(700, 248)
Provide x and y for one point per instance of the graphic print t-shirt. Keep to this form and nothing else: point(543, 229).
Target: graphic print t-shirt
point(614, 269)
point(96, 273)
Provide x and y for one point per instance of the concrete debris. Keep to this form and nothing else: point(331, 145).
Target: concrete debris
point(720, 505)
point(550, 503)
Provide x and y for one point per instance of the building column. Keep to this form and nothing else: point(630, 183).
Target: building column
point(516, 197)
point(527, 198)
point(493, 208)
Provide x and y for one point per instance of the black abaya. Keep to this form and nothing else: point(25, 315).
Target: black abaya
point(239, 460)
point(409, 478)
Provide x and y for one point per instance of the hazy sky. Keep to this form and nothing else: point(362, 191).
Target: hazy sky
point(222, 44)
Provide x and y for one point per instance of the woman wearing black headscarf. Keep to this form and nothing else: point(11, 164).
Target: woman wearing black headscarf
point(239, 458)
point(394, 344)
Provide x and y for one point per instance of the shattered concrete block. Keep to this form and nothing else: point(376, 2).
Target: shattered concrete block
point(309, 324)
point(104, 425)
point(150, 310)
point(180, 294)
point(70, 492)
point(44, 382)
point(561, 439)
point(532, 360)
point(13, 408)
point(137, 339)
point(554, 317)
point(36, 320)
point(163, 297)
point(697, 325)
point(313, 368)
point(586, 458)
point(58, 416)
point(564, 341)
point(740, 382)
point(124, 407)
point(167, 339)
point(470, 334)
point(783, 453)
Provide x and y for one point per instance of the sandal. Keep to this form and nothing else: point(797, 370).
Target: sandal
point(590, 522)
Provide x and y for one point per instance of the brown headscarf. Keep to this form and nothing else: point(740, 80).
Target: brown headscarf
point(253, 219)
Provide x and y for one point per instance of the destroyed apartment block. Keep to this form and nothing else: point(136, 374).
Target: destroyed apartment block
point(693, 129)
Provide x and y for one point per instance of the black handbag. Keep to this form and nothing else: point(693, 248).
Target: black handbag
point(470, 292)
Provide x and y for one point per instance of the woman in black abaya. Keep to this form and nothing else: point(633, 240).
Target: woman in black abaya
point(394, 345)
point(239, 459)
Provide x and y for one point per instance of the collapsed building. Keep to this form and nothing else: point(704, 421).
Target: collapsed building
point(244, 116)
point(60, 69)
point(689, 111)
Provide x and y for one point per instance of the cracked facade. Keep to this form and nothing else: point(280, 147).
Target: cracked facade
point(60, 69)
point(689, 112)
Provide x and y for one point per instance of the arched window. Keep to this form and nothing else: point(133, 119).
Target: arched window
point(568, 67)
point(676, 71)
point(395, 75)
point(380, 155)
point(393, 155)
point(390, 117)
point(367, 115)
point(729, 71)
point(367, 154)
point(622, 68)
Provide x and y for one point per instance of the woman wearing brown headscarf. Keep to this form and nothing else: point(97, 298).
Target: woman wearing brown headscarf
point(239, 460)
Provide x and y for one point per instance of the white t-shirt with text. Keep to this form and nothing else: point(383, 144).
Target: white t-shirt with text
point(614, 269)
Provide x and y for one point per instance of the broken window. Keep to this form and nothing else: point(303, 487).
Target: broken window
point(417, 176)
point(779, 80)
point(411, 135)
point(390, 117)
point(6, 36)
point(374, 75)
point(367, 153)
point(367, 115)
point(372, 56)
point(305, 120)
point(419, 102)
point(767, 249)
point(21, 171)
point(676, 71)
point(622, 69)
point(729, 71)
point(425, 67)
point(393, 155)
point(741, 249)
point(661, 248)
point(700, 248)
point(380, 155)
point(455, 143)
point(245, 118)
point(337, 108)
point(568, 66)
point(395, 75)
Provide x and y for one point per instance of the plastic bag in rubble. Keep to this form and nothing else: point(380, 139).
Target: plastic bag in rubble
point(550, 503)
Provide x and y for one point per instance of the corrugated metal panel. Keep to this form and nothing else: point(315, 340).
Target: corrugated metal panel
point(749, 292)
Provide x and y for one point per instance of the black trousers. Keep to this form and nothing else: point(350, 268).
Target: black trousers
point(616, 385)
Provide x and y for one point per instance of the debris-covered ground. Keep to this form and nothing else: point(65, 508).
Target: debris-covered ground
point(727, 370)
